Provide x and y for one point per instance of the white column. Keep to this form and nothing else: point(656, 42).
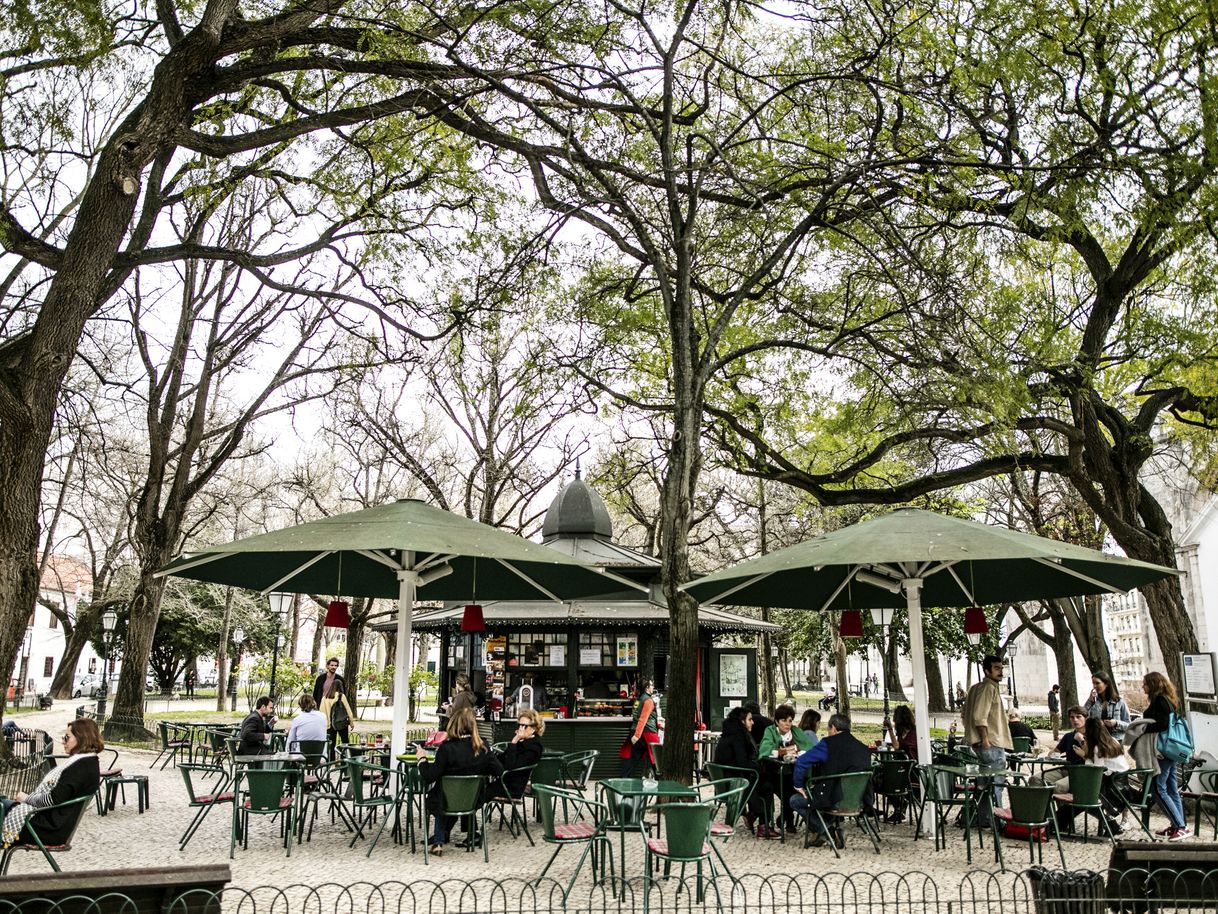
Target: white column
point(407, 580)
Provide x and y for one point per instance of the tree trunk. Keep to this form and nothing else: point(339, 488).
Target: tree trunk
point(127, 717)
point(785, 673)
point(319, 634)
point(65, 676)
point(936, 694)
point(360, 607)
point(892, 670)
point(765, 668)
point(840, 672)
point(1063, 649)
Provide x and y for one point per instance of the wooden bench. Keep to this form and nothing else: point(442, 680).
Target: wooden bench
point(148, 890)
point(1144, 875)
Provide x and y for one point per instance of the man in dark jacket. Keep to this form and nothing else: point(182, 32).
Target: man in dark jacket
point(256, 728)
point(321, 686)
point(761, 723)
point(838, 753)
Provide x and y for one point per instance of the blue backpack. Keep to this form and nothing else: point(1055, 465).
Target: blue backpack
point(1176, 742)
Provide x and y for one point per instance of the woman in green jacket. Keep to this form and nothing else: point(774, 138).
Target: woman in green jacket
point(780, 744)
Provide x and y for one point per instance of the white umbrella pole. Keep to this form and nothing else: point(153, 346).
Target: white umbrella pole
point(917, 650)
point(407, 579)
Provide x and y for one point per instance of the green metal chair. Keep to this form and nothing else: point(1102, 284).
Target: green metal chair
point(268, 792)
point(1205, 792)
point(369, 797)
point(326, 789)
point(893, 782)
point(577, 769)
point(590, 833)
point(460, 795)
point(1085, 782)
point(203, 802)
point(687, 826)
point(1022, 744)
point(411, 794)
point(1032, 808)
point(1135, 798)
point(172, 744)
point(548, 772)
point(80, 804)
point(726, 795)
point(724, 772)
point(506, 797)
point(854, 788)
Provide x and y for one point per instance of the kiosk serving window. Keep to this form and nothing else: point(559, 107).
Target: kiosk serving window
point(537, 649)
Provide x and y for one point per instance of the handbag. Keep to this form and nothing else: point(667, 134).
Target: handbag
point(435, 738)
point(1176, 742)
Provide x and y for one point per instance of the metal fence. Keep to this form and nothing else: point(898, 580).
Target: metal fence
point(26, 758)
point(1036, 891)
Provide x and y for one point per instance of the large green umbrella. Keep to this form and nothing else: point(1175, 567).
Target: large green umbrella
point(917, 558)
point(403, 550)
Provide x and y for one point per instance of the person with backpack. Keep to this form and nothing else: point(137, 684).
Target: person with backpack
point(1162, 716)
point(339, 716)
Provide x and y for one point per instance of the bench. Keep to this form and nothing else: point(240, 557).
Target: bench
point(1145, 876)
point(147, 890)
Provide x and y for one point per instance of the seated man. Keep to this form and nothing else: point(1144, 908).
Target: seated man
point(1072, 748)
point(1018, 727)
point(256, 728)
point(838, 753)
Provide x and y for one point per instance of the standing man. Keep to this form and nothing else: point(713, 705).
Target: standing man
point(1055, 711)
point(321, 687)
point(838, 753)
point(190, 683)
point(985, 726)
point(256, 728)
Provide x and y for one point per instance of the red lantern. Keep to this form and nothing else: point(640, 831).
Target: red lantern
point(974, 624)
point(472, 620)
point(851, 625)
point(338, 614)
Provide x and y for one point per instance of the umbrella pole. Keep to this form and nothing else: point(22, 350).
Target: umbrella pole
point(917, 650)
point(407, 579)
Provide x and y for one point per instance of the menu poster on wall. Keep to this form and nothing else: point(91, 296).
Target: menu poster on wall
point(558, 655)
point(627, 650)
point(733, 675)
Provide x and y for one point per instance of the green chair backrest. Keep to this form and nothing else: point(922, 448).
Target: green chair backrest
point(854, 788)
point(355, 777)
point(1030, 805)
point(163, 728)
point(1022, 744)
point(966, 755)
point(516, 791)
point(623, 810)
point(578, 765)
point(686, 826)
point(266, 787)
point(314, 750)
point(549, 770)
point(894, 776)
point(730, 794)
point(546, 796)
point(188, 771)
point(460, 793)
point(1085, 783)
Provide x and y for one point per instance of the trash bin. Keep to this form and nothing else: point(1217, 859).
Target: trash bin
point(1067, 891)
point(45, 702)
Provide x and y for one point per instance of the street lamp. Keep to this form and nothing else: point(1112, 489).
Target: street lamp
point(27, 647)
point(882, 616)
point(109, 620)
point(235, 668)
point(1012, 650)
point(280, 604)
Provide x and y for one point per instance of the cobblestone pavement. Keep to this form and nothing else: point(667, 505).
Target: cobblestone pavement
point(125, 838)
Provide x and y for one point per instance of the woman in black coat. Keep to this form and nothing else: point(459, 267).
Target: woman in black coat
point(463, 752)
point(524, 750)
point(77, 777)
point(737, 749)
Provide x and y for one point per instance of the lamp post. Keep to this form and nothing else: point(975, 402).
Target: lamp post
point(882, 616)
point(235, 669)
point(1012, 650)
point(109, 620)
point(280, 604)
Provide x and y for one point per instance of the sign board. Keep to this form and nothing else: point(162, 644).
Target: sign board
point(627, 650)
point(1199, 675)
point(589, 656)
point(733, 675)
point(557, 655)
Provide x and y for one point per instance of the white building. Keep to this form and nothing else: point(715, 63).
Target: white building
point(65, 583)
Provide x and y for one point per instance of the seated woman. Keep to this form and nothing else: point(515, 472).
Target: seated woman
point(781, 741)
point(78, 776)
point(737, 749)
point(309, 724)
point(463, 752)
point(524, 750)
point(902, 735)
point(810, 723)
point(1105, 752)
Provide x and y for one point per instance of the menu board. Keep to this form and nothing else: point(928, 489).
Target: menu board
point(496, 652)
point(557, 655)
point(627, 650)
point(1199, 674)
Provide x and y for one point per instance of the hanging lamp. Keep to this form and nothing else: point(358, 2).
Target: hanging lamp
point(338, 613)
point(975, 624)
point(851, 625)
point(472, 619)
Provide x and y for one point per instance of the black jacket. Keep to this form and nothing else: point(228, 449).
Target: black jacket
point(1160, 711)
point(1019, 728)
point(761, 723)
point(253, 734)
point(736, 748)
point(80, 779)
point(456, 756)
point(520, 755)
point(845, 755)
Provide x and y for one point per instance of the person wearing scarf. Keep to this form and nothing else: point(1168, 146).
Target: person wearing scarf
point(78, 776)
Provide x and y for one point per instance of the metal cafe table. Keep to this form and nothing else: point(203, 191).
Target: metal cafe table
point(628, 798)
point(970, 775)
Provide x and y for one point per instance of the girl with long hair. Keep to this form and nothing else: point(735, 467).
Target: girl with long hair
point(463, 752)
point(1163, 703)
point(1107, 706)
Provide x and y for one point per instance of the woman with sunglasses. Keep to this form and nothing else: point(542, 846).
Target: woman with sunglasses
point(78, 776)
point(524, 750)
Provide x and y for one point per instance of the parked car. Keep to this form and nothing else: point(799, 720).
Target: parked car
point(86, 685)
